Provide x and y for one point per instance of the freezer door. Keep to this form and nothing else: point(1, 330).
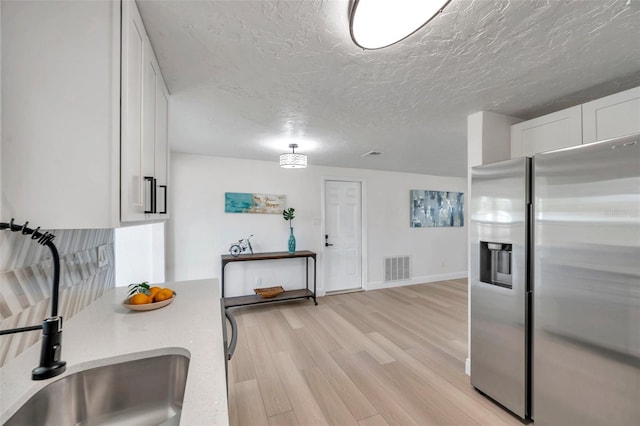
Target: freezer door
point(499, 216)
point(587, 285)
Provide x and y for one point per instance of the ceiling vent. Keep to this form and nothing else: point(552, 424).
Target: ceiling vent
point(371, 154)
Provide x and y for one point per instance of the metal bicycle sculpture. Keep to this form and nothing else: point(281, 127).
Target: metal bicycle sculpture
point(241, 246)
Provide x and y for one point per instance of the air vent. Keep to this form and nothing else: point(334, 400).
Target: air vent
point(397, 268)
point(371, 154)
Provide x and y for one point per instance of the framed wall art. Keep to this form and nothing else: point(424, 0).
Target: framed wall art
point(436, 208)
point(247, 202)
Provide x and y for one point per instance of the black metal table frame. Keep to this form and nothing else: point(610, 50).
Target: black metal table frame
point(287, 295)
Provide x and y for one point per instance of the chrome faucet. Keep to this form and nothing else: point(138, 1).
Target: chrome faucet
point(51, 349)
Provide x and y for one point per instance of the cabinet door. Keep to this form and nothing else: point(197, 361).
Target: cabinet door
point(612, 116)
point(133, 68)
point(151, 73)
point(557, 130)
point(61, 113)
point(162, 147)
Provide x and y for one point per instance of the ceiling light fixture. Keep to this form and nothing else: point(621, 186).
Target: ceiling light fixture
point(380, 23)
point(293, 160)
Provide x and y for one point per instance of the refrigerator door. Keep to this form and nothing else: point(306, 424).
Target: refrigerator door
point(587, 285)
point(499, 281)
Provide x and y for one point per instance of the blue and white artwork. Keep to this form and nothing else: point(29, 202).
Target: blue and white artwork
point(245, 202)
point(436, 208)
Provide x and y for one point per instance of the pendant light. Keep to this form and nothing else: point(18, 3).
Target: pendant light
point(380, 23)
point(293, 160)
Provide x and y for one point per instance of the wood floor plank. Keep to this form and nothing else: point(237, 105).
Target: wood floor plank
point(280, 338)
point(461, 400)
point(353, 398)
point(320, 334)
point(232, 406)
point(348, 335)
point(302, 400)
point(361, 368)
point(250, 408)
point(453, 371)
point(273, 395)
point(355, 316)
point(285, 419)
point(242, 366)
point(289, 314)
point(334, 409)
point(376, 420)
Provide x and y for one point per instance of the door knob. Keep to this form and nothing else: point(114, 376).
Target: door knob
point(326, 241)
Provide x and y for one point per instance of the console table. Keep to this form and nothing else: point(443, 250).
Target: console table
point(254, 299)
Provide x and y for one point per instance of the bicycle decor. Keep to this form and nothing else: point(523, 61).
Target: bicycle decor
point(241, 246)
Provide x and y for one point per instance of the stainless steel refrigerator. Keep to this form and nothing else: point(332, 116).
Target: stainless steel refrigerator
point(500, 284)
point(586, 339)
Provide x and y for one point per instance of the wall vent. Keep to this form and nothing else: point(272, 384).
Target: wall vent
point(397, 268)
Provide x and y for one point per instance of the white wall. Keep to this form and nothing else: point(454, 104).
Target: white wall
point(199, 230)
point(139, 254)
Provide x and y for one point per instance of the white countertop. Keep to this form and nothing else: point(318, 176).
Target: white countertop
point(106, 332)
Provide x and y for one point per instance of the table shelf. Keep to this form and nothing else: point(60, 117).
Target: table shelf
point(254, 299)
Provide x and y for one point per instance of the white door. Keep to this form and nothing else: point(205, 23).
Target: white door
point(343, 235)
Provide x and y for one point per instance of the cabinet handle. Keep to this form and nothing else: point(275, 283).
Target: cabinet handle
point(152, 188)
point(234, 334)
point(164, 211)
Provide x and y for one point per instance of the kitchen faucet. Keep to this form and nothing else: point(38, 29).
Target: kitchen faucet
point(51, 349)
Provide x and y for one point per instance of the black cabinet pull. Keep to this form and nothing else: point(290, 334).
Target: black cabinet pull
point(152, 189)
point(164, 211)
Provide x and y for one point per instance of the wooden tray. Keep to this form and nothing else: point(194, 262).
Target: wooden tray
point(269, 292)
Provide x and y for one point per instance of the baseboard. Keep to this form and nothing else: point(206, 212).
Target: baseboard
point(375, 285)
point(467, 366)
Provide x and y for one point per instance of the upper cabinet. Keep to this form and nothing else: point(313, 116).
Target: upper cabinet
point(62, 116)
point(144, 124)
point(552, 131)
point(612, 116)
point(604, 118)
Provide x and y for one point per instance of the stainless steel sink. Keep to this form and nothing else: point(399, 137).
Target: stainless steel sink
point(146, 391)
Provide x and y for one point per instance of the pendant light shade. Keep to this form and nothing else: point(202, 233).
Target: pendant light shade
point(293, 160)
point(380, 23)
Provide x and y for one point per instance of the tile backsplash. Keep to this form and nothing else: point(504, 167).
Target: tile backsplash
point(26, 277)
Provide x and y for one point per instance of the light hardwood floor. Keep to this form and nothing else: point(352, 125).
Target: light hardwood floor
point(383, 357)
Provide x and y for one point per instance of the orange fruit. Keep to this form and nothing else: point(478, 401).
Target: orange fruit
point(154, 290)
point(164, 294)
point(140, 299)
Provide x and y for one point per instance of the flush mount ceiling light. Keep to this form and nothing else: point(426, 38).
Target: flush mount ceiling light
point(380, 23)
point(293, 160)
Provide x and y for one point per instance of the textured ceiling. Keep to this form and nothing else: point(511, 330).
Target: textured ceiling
point(249, 77)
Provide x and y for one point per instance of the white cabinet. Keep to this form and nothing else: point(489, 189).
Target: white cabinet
point(612, 116)
point(557, 130)
point(132, 175)
point(162, 147)
point(74, 154)
point(605, 118)
point(61, 113)
point(144, 124)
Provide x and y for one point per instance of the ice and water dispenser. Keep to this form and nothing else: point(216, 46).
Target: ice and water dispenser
point(495, 264)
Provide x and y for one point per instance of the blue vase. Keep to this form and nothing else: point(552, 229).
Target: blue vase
point(292, 242)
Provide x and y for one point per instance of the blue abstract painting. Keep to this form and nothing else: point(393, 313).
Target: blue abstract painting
point(436, 208)
point(245, 202)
